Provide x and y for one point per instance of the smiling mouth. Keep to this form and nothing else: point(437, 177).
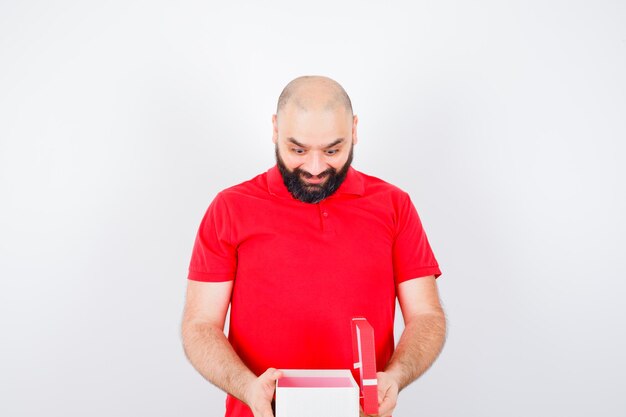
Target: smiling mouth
point(314, 181)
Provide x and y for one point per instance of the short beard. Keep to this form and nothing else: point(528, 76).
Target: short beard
point(312, 193)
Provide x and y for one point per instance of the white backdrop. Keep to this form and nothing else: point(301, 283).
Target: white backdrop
point(504, 120)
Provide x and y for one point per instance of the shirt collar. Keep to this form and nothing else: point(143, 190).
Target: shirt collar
point(352, 184)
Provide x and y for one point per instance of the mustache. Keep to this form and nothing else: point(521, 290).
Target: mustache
point(321, 175)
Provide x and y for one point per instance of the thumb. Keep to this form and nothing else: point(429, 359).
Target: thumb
point(271, 374)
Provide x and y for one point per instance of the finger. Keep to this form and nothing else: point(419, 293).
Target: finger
point(269, 377)
point(381, 394)
point(272, 374)
point(386, 407)
point(383, 386)
point(362, 414)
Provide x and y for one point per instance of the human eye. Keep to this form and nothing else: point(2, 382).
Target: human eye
point(332, 152)
point(297, 151)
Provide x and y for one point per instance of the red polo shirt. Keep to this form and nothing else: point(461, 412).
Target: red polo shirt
point(301, 271)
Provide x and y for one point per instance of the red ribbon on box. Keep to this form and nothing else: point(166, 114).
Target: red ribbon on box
point(364, 353)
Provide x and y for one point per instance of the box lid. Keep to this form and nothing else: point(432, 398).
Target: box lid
point(364, 353)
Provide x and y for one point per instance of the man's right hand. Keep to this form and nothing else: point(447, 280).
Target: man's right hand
point(260, 392)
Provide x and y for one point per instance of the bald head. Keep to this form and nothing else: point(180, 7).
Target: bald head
point(314, 92)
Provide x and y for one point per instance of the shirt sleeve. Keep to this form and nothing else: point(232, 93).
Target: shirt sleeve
point(214, 256)
point(412, 254)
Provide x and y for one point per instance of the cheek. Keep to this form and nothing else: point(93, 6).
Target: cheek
point(339, 163)
point(290, 161)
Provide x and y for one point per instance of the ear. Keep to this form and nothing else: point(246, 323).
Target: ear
point(355, 120)
point(274, 128)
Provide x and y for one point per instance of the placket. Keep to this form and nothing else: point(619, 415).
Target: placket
point(326, 217)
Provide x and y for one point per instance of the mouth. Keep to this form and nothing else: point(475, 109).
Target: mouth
point(314, 181)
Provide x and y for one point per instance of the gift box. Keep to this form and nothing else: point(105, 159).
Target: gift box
point(333, 392)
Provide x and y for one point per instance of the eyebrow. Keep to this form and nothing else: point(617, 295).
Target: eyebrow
point(330, 145)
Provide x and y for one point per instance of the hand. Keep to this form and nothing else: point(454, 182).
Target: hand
point(260, 392)
point(387, 395)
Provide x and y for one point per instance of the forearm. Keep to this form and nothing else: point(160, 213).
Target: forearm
point(209, 351)
point(418, 347)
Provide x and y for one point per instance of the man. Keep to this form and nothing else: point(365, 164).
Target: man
point(296, 252)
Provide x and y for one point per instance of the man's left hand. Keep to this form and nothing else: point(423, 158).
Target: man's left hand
point(387, 394)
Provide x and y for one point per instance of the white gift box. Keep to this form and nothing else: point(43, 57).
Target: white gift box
point(332, 392)
point(317, 392)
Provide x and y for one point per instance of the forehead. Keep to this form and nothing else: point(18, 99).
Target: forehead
point(314, 124)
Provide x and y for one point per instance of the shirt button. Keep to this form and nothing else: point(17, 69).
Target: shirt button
point(325, 214)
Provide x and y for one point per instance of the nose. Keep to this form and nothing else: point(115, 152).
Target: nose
point(314, 164)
